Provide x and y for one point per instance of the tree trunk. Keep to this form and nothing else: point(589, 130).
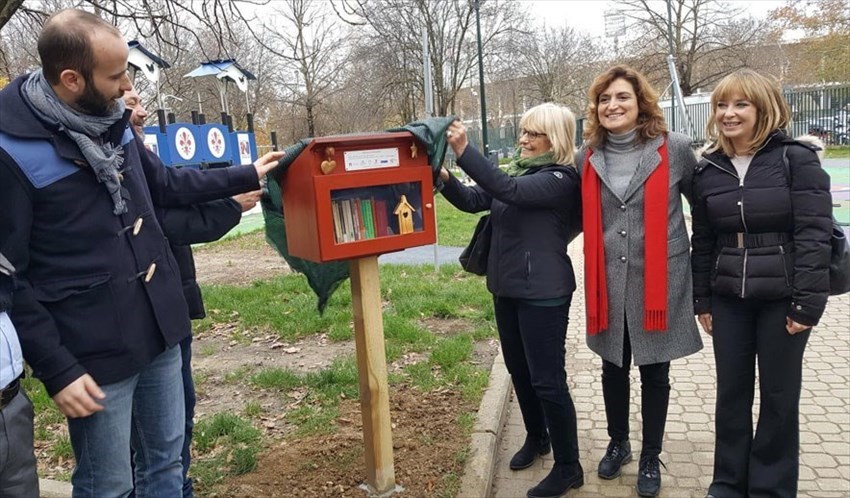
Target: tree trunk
point(311, 123)
point(8, 9)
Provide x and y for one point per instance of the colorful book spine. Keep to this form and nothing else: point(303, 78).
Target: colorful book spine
point(335, 209)
point(365, 218)
point(348, 221)
point(358, 214)
point(372, 217)
point(381, 218)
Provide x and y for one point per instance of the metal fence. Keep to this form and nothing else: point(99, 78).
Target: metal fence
point(822, 111)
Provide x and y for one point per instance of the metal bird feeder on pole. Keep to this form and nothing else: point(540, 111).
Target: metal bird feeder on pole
point(226, 71)
point(151, 66)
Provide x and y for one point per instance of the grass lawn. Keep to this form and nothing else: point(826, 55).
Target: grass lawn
point(454, 227)
point(837, 151)
point(248, 224)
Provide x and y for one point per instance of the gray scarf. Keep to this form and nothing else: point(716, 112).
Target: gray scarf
point(104, 159)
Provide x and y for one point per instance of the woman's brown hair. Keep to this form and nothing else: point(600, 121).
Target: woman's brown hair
point(772, 112)
point(650, 121)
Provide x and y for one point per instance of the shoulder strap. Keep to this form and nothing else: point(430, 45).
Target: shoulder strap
point(785, 166)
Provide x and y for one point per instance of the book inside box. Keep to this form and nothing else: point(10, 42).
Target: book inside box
point(366, 213)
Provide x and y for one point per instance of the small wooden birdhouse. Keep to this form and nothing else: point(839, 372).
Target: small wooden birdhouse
point(404, 211)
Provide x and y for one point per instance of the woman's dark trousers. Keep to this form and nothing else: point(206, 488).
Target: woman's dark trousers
point(766, 464)
point(533, 344)
point(655, 396)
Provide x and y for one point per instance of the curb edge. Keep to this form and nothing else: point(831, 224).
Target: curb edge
point(477, 480)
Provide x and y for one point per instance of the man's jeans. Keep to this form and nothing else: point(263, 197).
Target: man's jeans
point(145, 411)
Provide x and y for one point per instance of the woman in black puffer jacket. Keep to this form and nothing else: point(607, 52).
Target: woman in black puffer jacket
point(761, 231)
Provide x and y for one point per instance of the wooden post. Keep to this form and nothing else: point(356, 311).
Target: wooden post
point(372, 370)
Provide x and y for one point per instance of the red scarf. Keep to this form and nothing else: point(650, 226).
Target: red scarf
point(655, 197)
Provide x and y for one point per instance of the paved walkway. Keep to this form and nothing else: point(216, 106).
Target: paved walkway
point(689, 441)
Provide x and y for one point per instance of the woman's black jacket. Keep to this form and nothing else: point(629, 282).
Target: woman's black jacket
point(533, 216)
point(766, 236)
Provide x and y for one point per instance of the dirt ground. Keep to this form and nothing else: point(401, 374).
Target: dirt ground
point(428, 445)
point(239, 262)
point(428, 442)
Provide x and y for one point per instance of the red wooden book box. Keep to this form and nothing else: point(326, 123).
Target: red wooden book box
point(351, 196)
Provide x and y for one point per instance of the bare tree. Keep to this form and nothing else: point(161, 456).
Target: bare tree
point(710, 38)
point(826, 23)
point(397, 27)
point(315, 47)
point(555, 63)
point(166, 21)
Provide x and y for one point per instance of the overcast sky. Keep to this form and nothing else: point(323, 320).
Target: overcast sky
point(588, 15)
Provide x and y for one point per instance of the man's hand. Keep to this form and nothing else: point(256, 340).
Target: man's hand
point(78, 399)
point(705, 321)
point(267, 163)
point(793, 327)
point(248, 200)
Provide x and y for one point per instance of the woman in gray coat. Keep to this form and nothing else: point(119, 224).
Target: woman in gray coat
point(637, 266)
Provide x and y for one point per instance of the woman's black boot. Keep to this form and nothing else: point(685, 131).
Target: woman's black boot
point(562, 478)
point(533, 446)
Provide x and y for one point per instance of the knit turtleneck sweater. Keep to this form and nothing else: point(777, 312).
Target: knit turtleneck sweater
point(622, 157)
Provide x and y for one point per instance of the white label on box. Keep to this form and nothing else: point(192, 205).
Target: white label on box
point(371, 159)
point(244, 148)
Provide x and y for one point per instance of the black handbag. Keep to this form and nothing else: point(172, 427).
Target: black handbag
point(839, 257)
point(839, 262)
point(474, 258)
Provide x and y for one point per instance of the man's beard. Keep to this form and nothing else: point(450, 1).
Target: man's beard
point(140, 131)
point(93, 102)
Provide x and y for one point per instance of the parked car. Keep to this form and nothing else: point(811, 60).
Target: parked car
point(833, 130)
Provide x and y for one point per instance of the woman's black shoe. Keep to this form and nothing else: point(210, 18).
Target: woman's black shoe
point(562, 478)
point(532, 447)
point(618, 454)
point(649, 476)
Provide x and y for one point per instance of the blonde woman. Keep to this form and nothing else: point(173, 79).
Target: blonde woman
point(534, 210)
point(762, 224)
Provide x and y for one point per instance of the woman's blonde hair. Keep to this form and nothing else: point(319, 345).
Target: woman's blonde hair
point(559, 125)
point(772, 112)
point(650, 120)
